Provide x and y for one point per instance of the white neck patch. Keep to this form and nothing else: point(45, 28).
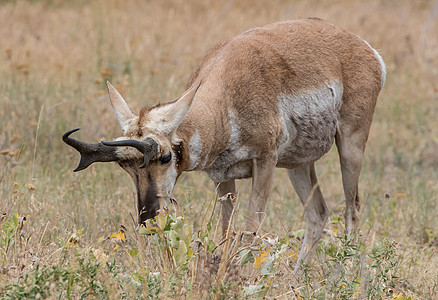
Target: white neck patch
point(195, 150)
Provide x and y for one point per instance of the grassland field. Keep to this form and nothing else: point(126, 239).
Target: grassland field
point(57, 226)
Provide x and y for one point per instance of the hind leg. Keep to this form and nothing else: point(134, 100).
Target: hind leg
point(306, 185)
point(351, 137)
point(351, 147)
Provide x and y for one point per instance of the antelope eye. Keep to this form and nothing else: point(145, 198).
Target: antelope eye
point(166, 158)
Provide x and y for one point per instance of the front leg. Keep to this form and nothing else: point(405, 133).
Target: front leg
point(262, 175)
point(226, 205)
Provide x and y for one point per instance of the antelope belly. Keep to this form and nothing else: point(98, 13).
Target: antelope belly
point(309, 122)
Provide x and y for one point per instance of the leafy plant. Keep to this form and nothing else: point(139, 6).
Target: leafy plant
point(10, 234)
point(383, 269)
point(59, 281)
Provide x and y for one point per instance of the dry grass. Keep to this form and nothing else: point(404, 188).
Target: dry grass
point(55, 57)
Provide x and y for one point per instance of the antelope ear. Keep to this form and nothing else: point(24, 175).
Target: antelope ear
point(121, 109)
point(169, 117)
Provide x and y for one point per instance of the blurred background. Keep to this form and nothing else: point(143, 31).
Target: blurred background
point(55, 57)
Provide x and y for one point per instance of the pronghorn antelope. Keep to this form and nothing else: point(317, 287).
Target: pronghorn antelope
point(275, 96)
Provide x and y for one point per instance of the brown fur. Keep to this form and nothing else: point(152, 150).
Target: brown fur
point(247, 73)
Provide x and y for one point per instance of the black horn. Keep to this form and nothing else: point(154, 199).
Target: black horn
point(90, 153)
point(149, 148)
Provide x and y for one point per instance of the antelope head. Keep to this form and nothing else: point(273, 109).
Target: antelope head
point(148, 151)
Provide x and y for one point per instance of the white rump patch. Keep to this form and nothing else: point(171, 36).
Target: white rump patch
point(382, 64)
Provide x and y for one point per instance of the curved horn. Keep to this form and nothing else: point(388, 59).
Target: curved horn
point(90, 153)
point(149, 148)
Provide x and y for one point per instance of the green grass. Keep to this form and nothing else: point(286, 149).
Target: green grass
point(54, 59)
